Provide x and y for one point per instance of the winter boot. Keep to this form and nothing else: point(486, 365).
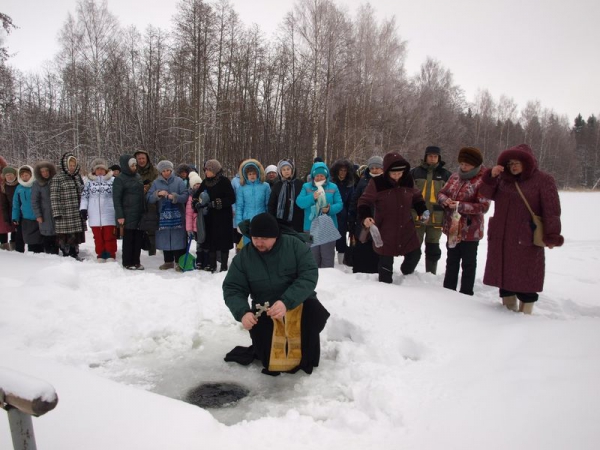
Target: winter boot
point(224, 260)
point(5, 246)
point(430, 266)
point(526, 308)
point(211, 266)
point(510, 302)
point(12, 246)
point(167, 266)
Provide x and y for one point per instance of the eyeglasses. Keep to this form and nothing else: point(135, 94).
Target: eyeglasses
point(513, 163)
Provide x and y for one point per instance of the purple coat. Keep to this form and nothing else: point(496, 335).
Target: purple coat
point(392, 203)
point(513, 262)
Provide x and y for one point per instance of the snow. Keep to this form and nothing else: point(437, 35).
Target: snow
point(25, 387)
point(408, 365)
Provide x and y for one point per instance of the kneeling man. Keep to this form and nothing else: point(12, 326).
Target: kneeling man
point(278, 271)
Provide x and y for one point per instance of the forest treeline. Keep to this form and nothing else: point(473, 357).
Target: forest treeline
point(326, 84)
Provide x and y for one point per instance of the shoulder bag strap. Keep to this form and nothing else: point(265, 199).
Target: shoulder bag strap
point(524, 199)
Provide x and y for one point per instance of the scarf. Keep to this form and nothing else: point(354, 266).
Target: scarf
point(210, 182)
point(170, 216)
point(315, 210)
point(470, 174)
point(284, 198)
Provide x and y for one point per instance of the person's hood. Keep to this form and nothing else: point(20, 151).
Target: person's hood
point(393, 159)
point(319, 165)
point(124, 163)
point(137, 152)
point(183, 168)
point(251, 163)
point(29, 183)
point(64, 164)
point(37, 171)
point(289, 162)
point(335, 168)
point(522, 153)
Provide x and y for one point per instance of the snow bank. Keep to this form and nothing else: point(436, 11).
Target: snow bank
point(408, 365)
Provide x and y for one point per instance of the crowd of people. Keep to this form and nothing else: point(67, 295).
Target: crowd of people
point(368, 214)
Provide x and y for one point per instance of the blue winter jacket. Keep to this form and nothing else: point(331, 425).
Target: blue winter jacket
point(251, 198)
point(306, 200)
point(21, 207)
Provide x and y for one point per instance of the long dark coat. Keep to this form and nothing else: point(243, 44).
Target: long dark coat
point(40, 198)
point(219, 235)
point(346, 189)
point(297, 222)
point(513, 262)
point(392, 203)
point(128, 195)
point(365, 260)
point(6, 201)
point(6, 225)
point(65, 197)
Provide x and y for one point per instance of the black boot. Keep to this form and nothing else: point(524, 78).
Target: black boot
point(212, 262)
point(410, 262)
point(430, 266)
point(385, 267)
point(433, 253)
point(224, 260)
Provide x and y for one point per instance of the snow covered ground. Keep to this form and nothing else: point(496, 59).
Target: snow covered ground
point(404, 366)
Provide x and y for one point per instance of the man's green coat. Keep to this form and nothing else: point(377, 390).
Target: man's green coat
point(288, 272)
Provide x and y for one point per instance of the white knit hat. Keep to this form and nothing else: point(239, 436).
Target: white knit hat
point(194, 179)
point(271, 168)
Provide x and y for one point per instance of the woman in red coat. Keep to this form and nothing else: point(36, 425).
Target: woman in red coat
point(514, 264)
point(461, 194)
point(392, 196)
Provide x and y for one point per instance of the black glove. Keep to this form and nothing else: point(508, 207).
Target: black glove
point(217, 204)
point(83, 214)
point(16, 223)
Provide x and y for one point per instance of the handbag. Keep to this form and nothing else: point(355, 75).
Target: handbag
point(323, 230)
point(538, 222)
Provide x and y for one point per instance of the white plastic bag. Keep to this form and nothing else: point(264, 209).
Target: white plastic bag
point(454, 231)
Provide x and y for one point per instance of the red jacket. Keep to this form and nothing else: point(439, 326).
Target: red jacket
point(513, 262)
point(472, 205)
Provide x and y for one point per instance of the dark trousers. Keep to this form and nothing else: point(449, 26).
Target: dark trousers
point(466, 252)
point(17, 237)
point(385, 265)
point(525, 297)
point(50, 245)
point(35, 248)
point(173, 255)
point(132, 247)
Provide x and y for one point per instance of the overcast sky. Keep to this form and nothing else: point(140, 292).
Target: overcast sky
point(546, 50)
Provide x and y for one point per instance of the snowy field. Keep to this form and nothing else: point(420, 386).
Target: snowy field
point(404, 366)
